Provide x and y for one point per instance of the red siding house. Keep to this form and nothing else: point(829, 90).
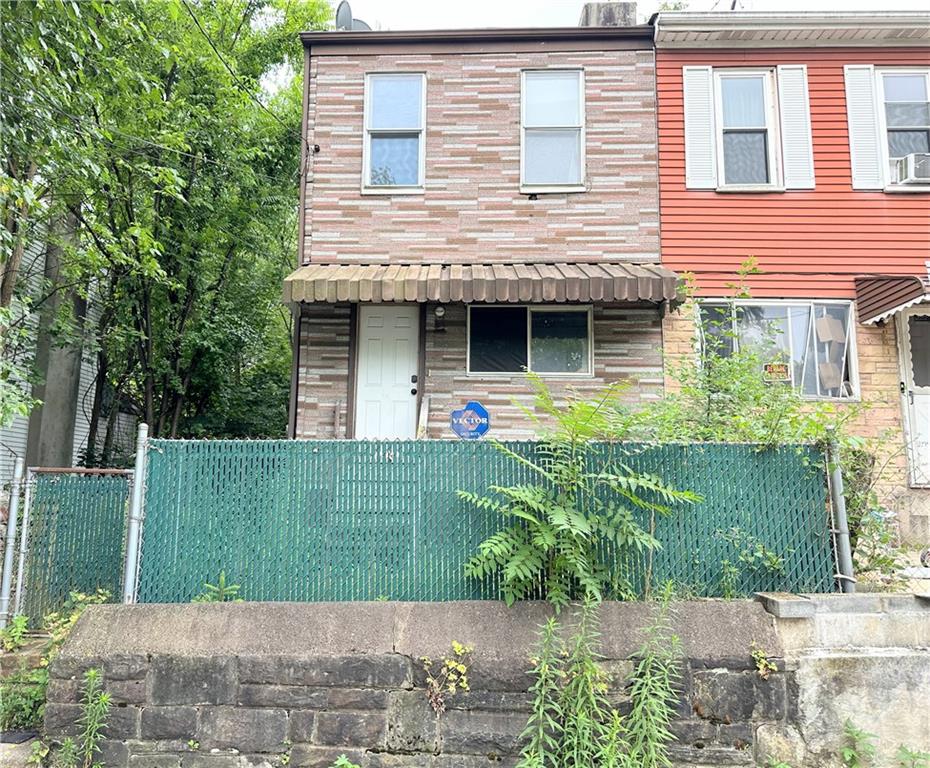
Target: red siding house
point(803, 140)
point(474, 203)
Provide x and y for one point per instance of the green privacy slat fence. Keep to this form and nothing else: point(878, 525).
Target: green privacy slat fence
point(358, 520)
point(75, 539)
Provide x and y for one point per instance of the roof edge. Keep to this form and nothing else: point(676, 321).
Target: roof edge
point(642, 32)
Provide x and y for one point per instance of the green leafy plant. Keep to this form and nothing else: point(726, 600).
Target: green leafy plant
point(764, 665)
point(221, 592)
point(38, 754)
point(193, 744)
point(652, 691)
point(344, 762)
point(543, 732)
point(909, 758)
point(13, 637)
point(450, 677)
point(95, 708)
point(584, 500)
point(858, 749)
point(67, 755)
point(729, 580)
point(773, 763)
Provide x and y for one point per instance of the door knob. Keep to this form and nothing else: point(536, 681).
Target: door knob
point(413, 391)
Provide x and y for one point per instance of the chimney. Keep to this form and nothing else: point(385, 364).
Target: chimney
point(609, 14)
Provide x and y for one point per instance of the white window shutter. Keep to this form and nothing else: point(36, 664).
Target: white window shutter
point(700, 141)
point(861, 112)
point(797, 152)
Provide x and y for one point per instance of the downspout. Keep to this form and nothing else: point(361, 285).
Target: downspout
point(296, 310)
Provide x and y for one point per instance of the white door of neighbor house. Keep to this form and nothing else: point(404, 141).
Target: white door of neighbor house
point(388, 354)
point(916, 363)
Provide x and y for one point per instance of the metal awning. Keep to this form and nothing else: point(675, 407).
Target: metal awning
point(514, 283)
point(878, 297)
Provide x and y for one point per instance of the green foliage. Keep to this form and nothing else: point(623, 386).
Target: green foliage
point(22, 700)
point(95, 708)
point(168, 133)
point(909, 758)
point(581, 503)
point(764, 666)
point(344, 762)
point(543, 732)
point(38, 754)
point(22, 696)
point(653, 692)
point(221, 592)
point(858, 749)
point(13, 636)
point(450, 677)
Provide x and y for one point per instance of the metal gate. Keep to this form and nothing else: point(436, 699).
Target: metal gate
point(69, 537)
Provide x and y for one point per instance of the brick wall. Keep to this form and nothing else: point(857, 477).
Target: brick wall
point(472, 209)
point(627, 348)
point(880, 422)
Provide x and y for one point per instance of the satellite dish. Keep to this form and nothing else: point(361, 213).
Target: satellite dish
point(344, 16)
point(360, 26)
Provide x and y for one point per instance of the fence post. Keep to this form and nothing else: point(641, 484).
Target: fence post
point(844, 562)
point(28, 480)
point(7, 582)
point(134, 529)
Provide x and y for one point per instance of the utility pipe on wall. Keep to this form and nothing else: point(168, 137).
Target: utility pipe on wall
point(134, 529)
point(7, 580)
point(844, 562)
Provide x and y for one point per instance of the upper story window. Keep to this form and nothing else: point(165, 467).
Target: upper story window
point(747, 129)
point(395, 120)
point(552, 132)
point(808, 344)
point(888, 114)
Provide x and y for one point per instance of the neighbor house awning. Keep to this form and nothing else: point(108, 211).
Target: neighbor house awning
point(880, 296)
point(515, 283)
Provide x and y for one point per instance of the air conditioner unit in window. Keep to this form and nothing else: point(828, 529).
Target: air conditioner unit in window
point(914, 168)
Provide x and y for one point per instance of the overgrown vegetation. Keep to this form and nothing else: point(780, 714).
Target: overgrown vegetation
point(13, 637)
point(573, 723)
point(159, 141)
point(583, 503)
point(22, 695)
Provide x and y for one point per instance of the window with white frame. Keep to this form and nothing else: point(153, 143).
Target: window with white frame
point(808, 344)
point(395, 118)
point(547, 340)
point(552, 133)
point(905, 114)
point(747, 134)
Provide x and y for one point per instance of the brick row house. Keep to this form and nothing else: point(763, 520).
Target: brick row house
point(479, 203)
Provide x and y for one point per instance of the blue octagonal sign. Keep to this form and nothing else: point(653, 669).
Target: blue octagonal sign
point(471, 422)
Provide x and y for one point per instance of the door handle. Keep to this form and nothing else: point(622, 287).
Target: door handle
point(413, 391)
point(413, 379)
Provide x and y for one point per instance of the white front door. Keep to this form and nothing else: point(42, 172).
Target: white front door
point(916, 363)
point(388, 353)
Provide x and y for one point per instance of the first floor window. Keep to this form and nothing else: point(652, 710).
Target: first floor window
point(541, 339)
point(806, 344)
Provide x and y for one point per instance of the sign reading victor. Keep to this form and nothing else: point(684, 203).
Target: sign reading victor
point(471, 422)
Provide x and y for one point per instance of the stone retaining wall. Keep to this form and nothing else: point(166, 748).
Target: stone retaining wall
point(274, 684)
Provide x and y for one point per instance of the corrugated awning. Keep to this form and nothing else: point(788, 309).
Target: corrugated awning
point(490, 283)
point(880, 296)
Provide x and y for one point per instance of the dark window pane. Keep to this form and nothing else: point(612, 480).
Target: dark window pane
point(560, 342)
point(717, 327)
point(745, 157)
point(497, 339)
point(901, 143)
point(907, 115)
point(395, 160)
point(919, 331)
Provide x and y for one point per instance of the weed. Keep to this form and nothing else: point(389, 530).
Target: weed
point(13, 637)
point(764, 665)
point(38, 754)
point(451, 677)
point(221, 592)
point(909, 758)
point(193, 744)
point(543, 732)
point(859, 746)
point(344, 762)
